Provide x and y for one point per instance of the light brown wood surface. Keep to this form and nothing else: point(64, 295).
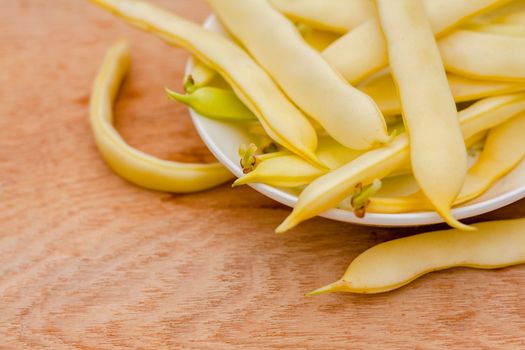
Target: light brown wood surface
point(88, 261)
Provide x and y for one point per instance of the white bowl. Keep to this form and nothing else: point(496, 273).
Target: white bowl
point(224, 138)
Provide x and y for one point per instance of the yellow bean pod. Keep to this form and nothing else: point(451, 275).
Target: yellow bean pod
point(504, 149)
point(393, 264)
point(338, 16)
point(129, 163)
point(362, 51)
point(347, 114)
point(291, 171)
point(484, 55)
point(328, 191)
point(283, 122)
point(465, 89)
point(429, 110)
point(284, 171)
point(489, 113)
point(382, 89)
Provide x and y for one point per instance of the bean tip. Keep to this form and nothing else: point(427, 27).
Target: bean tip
point(288, 223)
point(239, 182)
point(330, 288)
point(173, 95)
point(282, 228)
point(455, 223)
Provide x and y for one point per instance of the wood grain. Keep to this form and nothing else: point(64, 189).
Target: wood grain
point(88, 261)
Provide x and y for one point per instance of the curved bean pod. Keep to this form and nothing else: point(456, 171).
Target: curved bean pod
point(283, 122)
point(504, 150)
point(129, 163)
point(393, 264)
point(347, 114)
point(328, 191)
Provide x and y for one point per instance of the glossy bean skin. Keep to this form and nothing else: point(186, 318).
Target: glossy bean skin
point(282, 121)
point(362, 51)
point(393, 264)
point(129, 163)
point(329, 190)
point(503, 151)
point(347, 114)
point(429, 109)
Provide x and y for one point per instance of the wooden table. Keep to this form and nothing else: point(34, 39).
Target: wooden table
point(88, 261)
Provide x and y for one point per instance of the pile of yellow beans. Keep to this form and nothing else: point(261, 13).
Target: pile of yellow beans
point(339, 95)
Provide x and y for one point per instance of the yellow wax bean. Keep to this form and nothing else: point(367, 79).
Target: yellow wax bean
point(438, 153)
point(347, 114)
point(329, 190)
point(484, 55)
point(291, 171)
point(504, 149)
point(489, 113)
point(465, 89)
point(362, 51)
point(383, 90)
point(338, 16)
point(131, 164)
point(395, 263)
point(283, 122)
point(283, 171)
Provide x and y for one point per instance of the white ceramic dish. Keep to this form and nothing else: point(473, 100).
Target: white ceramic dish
point(224, 138)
